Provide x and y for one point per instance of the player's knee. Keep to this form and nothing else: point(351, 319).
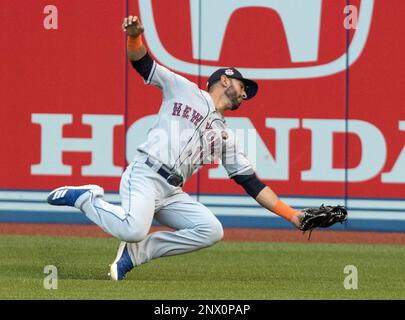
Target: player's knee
point(132, 235)
point(218, 232)
point(215, 233)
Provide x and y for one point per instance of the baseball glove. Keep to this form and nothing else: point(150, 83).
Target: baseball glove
point(322, 217)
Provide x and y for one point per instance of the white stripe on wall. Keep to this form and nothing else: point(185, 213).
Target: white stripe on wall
point(41, 196)
point(222, 205)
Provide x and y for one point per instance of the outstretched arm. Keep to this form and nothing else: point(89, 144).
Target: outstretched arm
point(267, 198)
point(143, 63)
point(137, 52)
point(134, 29)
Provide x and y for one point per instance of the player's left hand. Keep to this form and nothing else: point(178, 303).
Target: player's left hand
point(296, 220)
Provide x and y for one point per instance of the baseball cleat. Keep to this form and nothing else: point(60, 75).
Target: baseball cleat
point(73, 196)
point(122, 263)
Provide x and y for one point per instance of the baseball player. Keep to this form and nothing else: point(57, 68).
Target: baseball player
point(189, 132)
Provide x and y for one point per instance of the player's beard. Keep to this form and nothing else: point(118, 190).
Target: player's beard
point(233, 97)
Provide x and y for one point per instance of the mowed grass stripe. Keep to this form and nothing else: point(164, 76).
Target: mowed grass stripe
point(228, 270)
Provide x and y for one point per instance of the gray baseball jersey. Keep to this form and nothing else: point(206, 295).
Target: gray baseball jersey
point(189, 132)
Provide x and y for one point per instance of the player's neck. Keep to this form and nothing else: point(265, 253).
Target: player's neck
point(221, 109)
point(221, 103)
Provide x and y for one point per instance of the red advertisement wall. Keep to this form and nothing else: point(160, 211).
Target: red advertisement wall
point(328, 116)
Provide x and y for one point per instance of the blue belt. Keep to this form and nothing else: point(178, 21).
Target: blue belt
point(171, 178)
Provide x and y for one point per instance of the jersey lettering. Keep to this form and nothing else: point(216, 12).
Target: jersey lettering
point(177, 109)
point(186, 112)
point(196, 118)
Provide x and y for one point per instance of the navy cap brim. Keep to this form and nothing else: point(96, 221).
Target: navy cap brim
point(251, 88)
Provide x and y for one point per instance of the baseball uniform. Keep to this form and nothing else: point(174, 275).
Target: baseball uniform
point(188, 133)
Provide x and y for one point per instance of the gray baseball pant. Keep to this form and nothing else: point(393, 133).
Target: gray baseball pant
point(146, 195)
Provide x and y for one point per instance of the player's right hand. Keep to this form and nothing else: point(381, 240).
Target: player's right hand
point(132, 26)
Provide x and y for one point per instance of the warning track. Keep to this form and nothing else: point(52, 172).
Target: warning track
point(231, 234)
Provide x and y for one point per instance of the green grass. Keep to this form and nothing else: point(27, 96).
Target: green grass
point(228, 270)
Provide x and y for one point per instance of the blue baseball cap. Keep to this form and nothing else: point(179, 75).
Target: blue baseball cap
point(251, 86)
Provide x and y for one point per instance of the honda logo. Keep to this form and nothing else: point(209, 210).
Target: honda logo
point(300, 20)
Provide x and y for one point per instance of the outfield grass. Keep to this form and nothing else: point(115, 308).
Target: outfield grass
point(228, 270)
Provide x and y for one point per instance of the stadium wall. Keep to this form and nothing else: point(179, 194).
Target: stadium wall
point(327, 125)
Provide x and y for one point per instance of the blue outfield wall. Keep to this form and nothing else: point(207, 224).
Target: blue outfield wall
point(235, 211)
